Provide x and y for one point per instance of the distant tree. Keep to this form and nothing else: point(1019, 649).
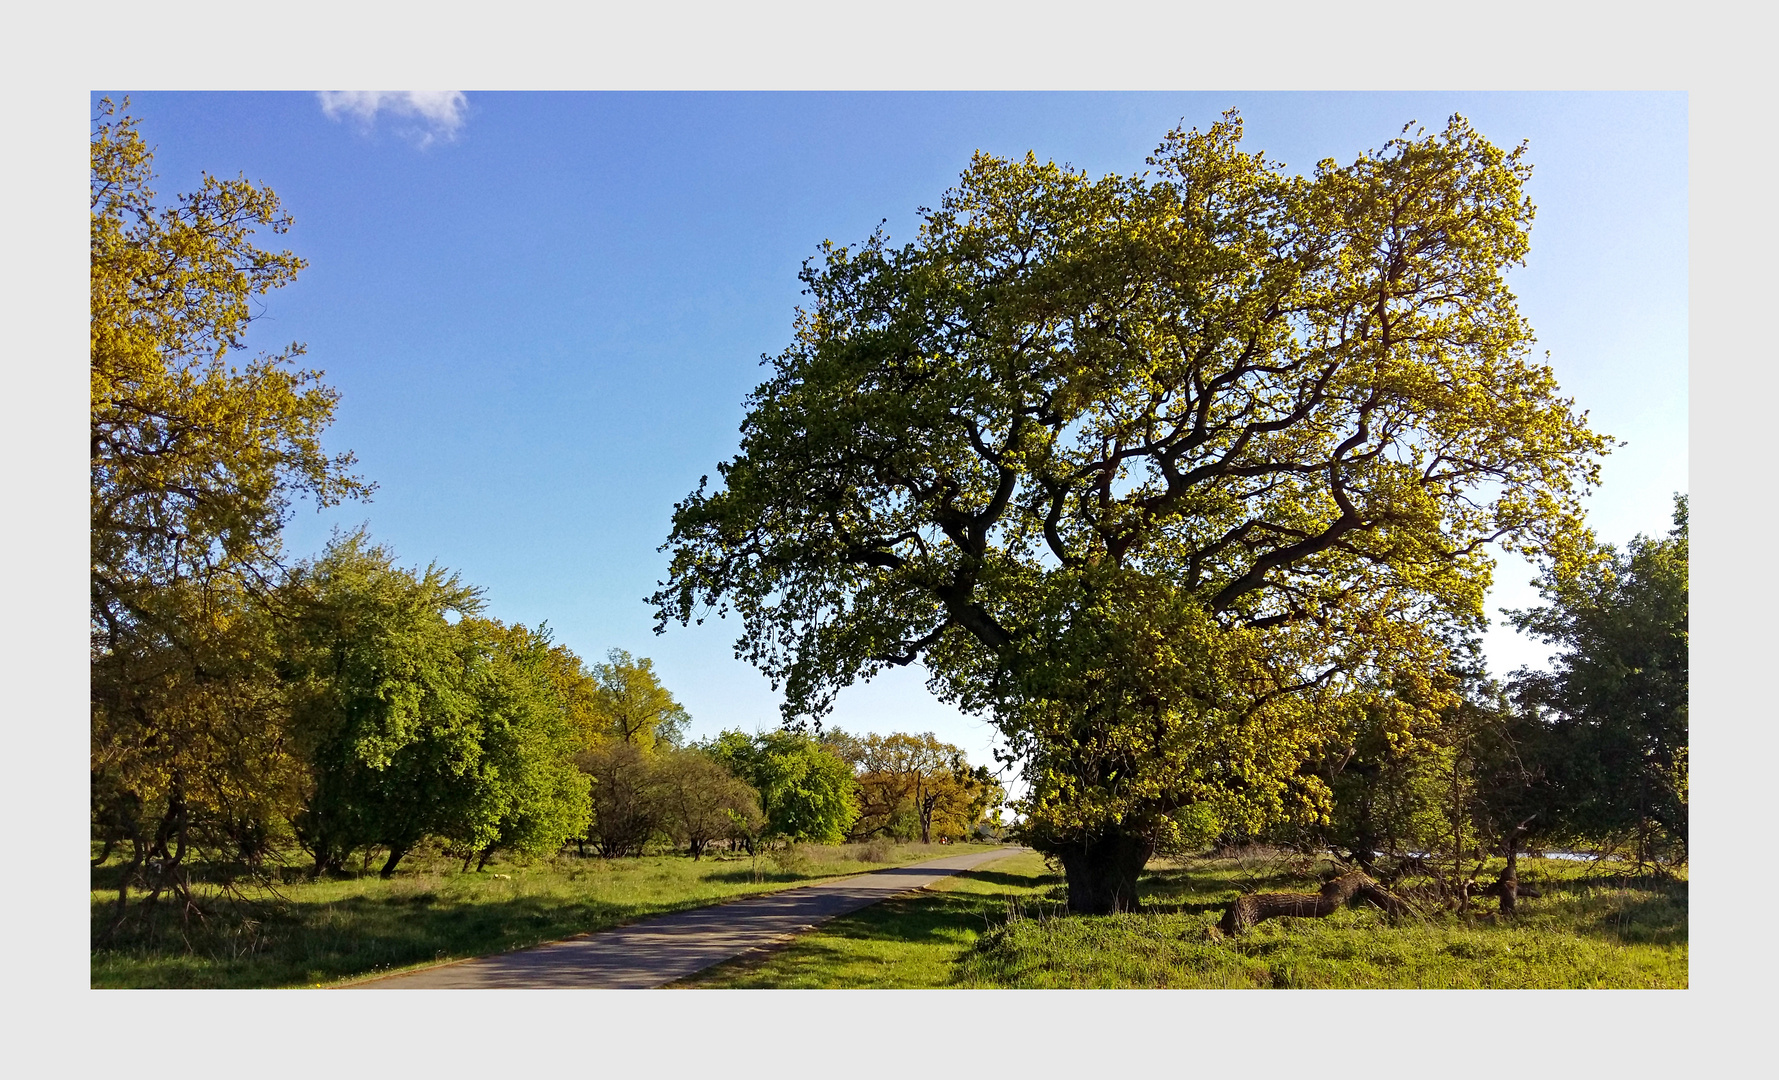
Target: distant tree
point(1615, 703)
point(632, 705)
point(919, 781)
point(1386, 761)
point(844, 745)
point(701, 801)
point(530, 796)
point(1439, 773)
point(807, 792)
point(1503, 744)
point(987, 796)
point(1384, 791)
point(627, 810)
point(576, 688)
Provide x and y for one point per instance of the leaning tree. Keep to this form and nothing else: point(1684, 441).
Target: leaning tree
point(1159, 472)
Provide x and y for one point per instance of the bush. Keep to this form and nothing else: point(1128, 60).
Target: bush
point(791, 859)
point(626, 814)
point(875, 851)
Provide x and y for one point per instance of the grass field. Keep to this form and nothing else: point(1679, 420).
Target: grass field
point(1000, 926)
point(316, 933)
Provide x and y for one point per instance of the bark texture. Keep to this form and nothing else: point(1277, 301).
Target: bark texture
point(1251, 908)
point(1102, 872)
point(1507, 886)
point(1510, 891)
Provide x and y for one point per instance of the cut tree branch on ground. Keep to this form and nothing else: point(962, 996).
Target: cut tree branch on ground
point(1250, 908)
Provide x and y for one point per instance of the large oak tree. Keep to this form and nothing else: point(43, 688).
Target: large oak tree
point(1158, 472)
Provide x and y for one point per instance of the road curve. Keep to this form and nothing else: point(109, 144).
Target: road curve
point(658, 951)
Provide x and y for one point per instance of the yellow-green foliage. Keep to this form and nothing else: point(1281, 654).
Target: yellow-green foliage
point(197, 452)
point(194, 457)
point(1162, 472)
point(631, 706)
point(915, 785)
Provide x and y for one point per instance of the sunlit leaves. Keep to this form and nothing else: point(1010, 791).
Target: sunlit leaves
point(1160, 471)
point(197, 454)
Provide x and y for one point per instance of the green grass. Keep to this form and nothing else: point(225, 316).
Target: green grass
point(317, 933)
point(1001, 926)
point(906, 941)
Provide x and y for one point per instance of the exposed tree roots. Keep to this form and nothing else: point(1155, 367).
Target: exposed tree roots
point(1251, 908)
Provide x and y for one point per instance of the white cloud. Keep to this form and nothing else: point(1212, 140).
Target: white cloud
point(422, 115)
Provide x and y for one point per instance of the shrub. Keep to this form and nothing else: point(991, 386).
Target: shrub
point(876, 851)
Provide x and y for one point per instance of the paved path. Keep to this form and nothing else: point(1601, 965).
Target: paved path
point(660, 950)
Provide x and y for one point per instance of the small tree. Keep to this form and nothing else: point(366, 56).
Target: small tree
point(626, 807)
point(701, 801)
point(807, 792)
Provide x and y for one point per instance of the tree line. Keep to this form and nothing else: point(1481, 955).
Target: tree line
point(246, 704)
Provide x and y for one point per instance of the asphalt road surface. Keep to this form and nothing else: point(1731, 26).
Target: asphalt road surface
point(658, 951)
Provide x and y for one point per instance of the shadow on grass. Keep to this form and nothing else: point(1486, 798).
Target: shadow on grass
point(1197, 881)
point(1653, 913)
point(1018, 881)
point(926, 917)
point(303, 943)
point(1153, 906)
point(919, 918)
point(748, 876)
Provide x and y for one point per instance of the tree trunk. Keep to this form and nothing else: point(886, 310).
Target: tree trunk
point(1250, 908)
point(1102, 872)
point(138, 853)
point(395, 856)
point(1509, 885)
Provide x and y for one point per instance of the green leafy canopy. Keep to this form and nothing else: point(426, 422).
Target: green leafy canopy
point(1150, 469)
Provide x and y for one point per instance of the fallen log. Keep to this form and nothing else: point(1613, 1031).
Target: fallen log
point(1250, 908)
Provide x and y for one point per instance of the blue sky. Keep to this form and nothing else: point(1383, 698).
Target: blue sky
point(543, 311)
